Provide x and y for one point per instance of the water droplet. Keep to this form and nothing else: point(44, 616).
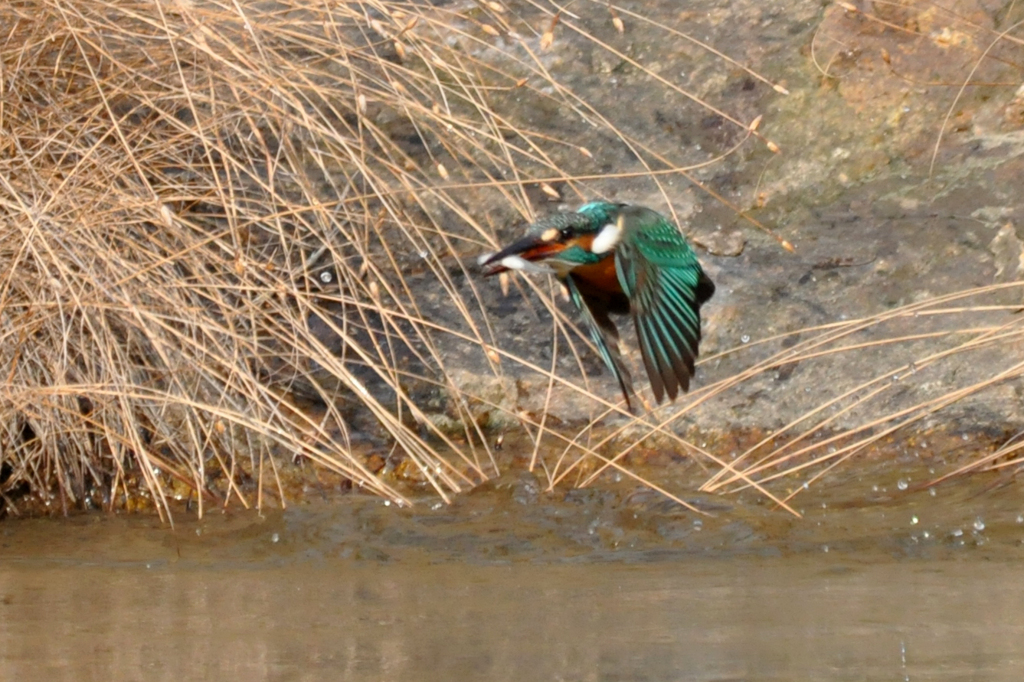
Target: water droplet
point(957, 533)
point(964, 436)
point(697, 523)
point(979, 525)
point(931, 491)
point(902, 484)
point(326, 277)
point(926, 535)
point(275, 537)
point(874, 488)
point(387, 503)
point(745, 338)
point(824, 548)
point(1020, 518)
point(913, 520)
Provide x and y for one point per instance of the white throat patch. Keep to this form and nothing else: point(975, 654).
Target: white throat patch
point(607, 238)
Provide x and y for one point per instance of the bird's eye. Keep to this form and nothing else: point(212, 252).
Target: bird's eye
point(566, 233)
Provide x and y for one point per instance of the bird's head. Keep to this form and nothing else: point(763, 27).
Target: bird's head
point(558, 243)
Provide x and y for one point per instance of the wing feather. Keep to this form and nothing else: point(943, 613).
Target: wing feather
point(666, 286)
point(605, 336)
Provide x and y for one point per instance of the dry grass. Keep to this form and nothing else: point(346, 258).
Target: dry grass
point(217, 215)
point(214, 214)
point(924, 358)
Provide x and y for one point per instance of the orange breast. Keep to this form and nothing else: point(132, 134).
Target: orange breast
point(598, 277)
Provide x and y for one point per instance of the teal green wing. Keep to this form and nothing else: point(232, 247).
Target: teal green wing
point(604, 334)
point(666, 286)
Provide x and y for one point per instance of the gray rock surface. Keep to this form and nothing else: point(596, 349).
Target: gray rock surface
point(895, 187)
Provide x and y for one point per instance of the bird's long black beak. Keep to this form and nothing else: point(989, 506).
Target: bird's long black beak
point(519, 256)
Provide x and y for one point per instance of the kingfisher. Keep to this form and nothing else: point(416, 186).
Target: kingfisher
point(622, 259)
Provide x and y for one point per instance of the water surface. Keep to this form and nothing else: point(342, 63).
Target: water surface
point(493, 590)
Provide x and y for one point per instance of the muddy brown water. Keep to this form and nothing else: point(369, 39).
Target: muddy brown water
point(511, 584)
